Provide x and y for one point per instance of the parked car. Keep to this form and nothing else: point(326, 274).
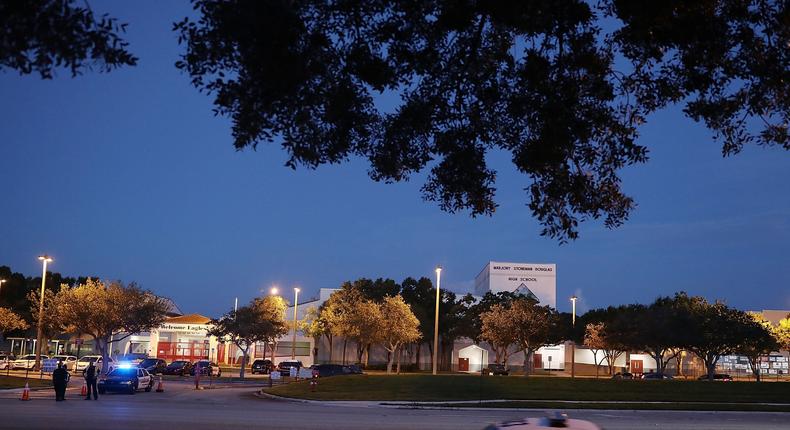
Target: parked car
point(154, 366)
point(652, 376)
point(623, 375)
point(262, 366)
point(285, 366)
point(354, 369)
point(721, 377)
point(83, 362)
point(206, 367)
point(497, 369)
point(326, 370)
point(134, 359)
point(6, 360)
point(127, 379)
point(26, 361)
point(178, 367)
point(69, 360)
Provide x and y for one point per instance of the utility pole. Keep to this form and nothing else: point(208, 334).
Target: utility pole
point(436, 321)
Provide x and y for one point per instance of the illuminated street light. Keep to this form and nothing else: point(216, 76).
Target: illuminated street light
point(436, 320)
point(296, 305)
point(40, 331)
point(273, 291)
point(573, 341)
point(2, 281)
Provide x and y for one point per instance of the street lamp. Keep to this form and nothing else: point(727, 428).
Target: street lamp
point(573, 341)
point(436, 320)
point(2, 281)
point(40, 332)
point(296, 306)
point(273, 291)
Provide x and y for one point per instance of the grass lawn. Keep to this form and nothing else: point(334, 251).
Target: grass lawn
point(470, 387)
point(677, 406)
point(7, 382)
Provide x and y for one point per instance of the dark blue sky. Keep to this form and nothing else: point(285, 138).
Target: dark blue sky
point(129, 176)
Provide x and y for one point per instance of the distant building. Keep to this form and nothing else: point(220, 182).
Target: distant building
point(538, 281)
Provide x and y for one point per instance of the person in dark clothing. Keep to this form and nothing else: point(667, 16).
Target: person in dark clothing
point(60, 377)
point(90, 381)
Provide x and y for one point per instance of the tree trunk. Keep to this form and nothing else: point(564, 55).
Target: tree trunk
point(331, 349)
point(527, 362)
point(400, 353)
point(391, 358)
point(595, 359)
point(104, 346)
point(243, 360)
point(419, 348)
point(345, 343)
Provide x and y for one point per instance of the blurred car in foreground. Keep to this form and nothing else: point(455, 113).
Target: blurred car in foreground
point(721, 377)
point(558, 421)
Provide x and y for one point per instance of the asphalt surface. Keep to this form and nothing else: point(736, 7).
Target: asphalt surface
point(183, 407)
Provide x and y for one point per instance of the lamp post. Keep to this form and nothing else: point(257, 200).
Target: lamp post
point(296, 306)
point(436, 320)
point(573, 341)
point(273, 291)
point(2, 281)
point(40, 331)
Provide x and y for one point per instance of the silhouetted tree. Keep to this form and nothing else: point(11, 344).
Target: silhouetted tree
point(562, 85)
point(43, 35)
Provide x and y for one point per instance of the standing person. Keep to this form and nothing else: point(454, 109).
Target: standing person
point(59, 379)
point(90, 381)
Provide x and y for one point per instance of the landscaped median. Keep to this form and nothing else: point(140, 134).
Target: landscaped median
point(541, 392)
point(10, 382)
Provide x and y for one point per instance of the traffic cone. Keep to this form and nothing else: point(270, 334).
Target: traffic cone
point(84, 390)
point(25, 392)
point(159, 387)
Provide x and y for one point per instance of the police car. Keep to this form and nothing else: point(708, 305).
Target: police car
point(126, 378)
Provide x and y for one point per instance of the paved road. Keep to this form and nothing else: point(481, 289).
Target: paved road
point(182, 407)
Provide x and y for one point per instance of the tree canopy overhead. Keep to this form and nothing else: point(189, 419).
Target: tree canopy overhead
point(562, 86)
point(43, 35)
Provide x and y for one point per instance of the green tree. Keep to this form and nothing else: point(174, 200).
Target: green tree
point(712, 331)
point(594, 340)
point(108, 312)
point(260, 321)
point(314, 325)
point(10, 321)
point(498, 329)
point(398, 327)
point(563, 86)
point(757, 339)
point(782, 333)
point(535, 327)
point(43, 35)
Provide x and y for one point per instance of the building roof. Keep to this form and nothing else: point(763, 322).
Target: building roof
point(775, 315)
point(172, 308)
point(189, 319)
